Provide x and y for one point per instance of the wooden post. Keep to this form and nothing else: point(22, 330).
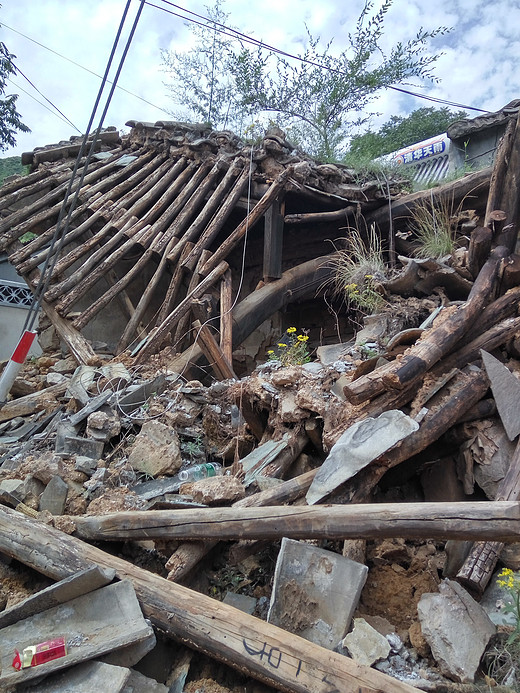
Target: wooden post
point(226, 316)
point(273, 241)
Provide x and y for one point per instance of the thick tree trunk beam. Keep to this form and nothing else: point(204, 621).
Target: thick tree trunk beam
point(499, 171)
point(300, 281)
point(497, 521)
point(479, 249)
point(260, 650)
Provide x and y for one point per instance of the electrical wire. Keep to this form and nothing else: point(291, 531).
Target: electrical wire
point(237, 35)
point(17, 69)
point(17, 86)
point(60, 231)
point(82, 67)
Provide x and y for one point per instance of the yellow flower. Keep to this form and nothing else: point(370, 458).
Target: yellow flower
point(290, 330)
point(302, 338)
point(282, 346)
point(270, 351)
point(369, 276)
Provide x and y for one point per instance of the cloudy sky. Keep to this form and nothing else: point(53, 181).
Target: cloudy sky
point(60, 43)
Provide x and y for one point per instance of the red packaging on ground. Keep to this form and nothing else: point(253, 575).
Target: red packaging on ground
point(40, 654)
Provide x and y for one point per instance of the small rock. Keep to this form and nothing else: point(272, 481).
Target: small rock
point(156, 450)
point(365, 644)
point(103, 426)
point(214, 490)
point(54, 497)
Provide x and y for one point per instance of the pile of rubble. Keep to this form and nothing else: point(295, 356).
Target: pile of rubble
point(329, 525)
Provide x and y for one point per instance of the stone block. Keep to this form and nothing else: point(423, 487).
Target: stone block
point(315, 592)
point(156, 450)
point(456, 628)
point(214, 490)
point(54, 497)
point(241, 601)
point(83, 678)
point(365, 644)
point(85, 447)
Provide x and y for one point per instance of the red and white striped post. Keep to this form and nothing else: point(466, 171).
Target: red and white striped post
point(15, 363)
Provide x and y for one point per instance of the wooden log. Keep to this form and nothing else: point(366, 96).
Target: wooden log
point(504, 307)
point(479, 249)
point(258, 211)
point(78, 346)
point(260, 650)
point(189, 553)
point(437, 341)
point(157, 336)
point(174, 286)
point(78, 290)
point(321, 217)
point(218, 221)
point(212, 351)
point(500, 166)
point(30, 404)
point(182, 331)
point(300, 281)
point(273, 241)
point(226, 316)
point(103, 301)
point(440, 521)
point(451, 403)
point(497, 220)
point(473, 188)
point(208, 210)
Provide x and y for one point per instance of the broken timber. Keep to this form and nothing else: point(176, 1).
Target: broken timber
point(261, 650)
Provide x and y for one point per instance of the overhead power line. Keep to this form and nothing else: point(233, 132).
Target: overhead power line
point(82, 67)
point(237, 35)
point(17, 86)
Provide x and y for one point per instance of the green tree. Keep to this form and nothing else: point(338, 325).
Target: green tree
point(318, 98)
point(399, 132)
point(201, 80)
point(10, 119)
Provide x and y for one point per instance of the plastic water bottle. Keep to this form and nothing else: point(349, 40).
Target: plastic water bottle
point(200, 471)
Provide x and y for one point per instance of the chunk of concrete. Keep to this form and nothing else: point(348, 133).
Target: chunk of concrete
point(363, 442)
point(365, 644)
point(456, 628)
point(85, 447)
point(84, 678)
point(156, 450)
point(315, 592)
point(63, 591)
point(92, 625)
point(506, 391)
point(54, 497)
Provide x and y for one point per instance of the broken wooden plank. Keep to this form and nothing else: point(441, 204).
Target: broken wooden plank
point(288, 662)
point(226, 316)
point(273, 241)
point(30, 404)
point(212, 351)
point(464, 520)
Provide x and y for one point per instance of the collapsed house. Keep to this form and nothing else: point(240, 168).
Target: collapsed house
point(186, 257)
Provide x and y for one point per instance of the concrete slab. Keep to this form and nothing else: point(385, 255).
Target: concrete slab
point(83, 678)
point(63, 591)
point(506, 391)
point(357, 447)
point(132, 654)
point(315, 592)
point(91, 625)
point(241, 601)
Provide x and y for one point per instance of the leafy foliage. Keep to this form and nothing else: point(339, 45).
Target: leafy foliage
point(318, 99)
point(399, 132)
point(10, 166)
point(10, 119)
